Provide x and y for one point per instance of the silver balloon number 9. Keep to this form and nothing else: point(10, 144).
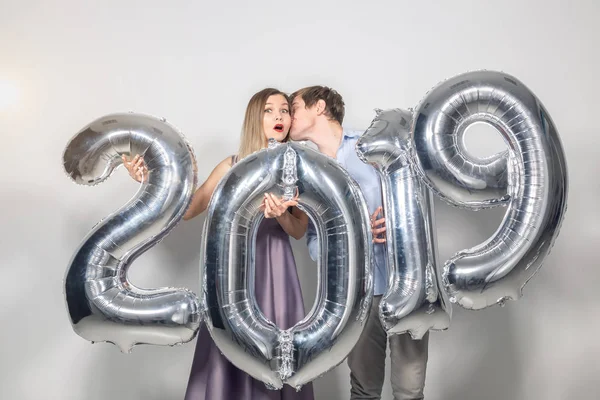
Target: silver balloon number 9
point(531, 180)
point(102, 304)
point(333, 200)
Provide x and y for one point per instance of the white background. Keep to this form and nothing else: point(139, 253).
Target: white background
point(66, 63)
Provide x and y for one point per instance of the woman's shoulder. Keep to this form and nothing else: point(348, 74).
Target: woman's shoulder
point(222, 168)
point(227, 162)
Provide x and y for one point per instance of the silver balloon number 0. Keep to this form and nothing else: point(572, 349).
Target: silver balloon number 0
point(102, 303)
point(333, 200)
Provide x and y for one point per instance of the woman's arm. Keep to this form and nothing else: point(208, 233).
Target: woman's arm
point(204, 193)
point(294, 223)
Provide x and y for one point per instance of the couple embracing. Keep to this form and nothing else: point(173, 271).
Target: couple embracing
point(315, 114)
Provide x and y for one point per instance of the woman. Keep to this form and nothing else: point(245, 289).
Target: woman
point(277, 291)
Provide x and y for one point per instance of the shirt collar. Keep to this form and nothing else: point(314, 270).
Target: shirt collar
point(350, 134)
point(346, 135)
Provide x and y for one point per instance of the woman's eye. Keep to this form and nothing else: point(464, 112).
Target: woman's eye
point(285, 111)
point(268, 110)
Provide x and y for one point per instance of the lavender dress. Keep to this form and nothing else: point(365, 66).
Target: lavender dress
point(279, 297)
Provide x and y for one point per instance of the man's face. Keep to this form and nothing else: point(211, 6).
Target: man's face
point(303, 119)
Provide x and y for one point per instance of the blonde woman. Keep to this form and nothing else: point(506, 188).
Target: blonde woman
point(277, 289)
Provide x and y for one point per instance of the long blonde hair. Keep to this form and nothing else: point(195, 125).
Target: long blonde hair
point(253, 136)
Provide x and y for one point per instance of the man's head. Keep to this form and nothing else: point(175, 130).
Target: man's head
point(312, 106)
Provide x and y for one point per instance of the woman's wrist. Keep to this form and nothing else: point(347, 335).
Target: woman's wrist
point(283, 217)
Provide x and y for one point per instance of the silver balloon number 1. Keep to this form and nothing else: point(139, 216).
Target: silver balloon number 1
point(102, 303)
point(414, 301)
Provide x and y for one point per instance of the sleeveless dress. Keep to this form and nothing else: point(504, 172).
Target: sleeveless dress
point(278, 294)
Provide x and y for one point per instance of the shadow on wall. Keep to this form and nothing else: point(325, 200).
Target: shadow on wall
point(149, 372)
point(477, 358)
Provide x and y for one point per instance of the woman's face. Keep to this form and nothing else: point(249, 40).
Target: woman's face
point(277, 120)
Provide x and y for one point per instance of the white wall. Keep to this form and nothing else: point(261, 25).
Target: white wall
point(197, 63)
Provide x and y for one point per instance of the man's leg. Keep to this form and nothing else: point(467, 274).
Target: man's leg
point(409, 362)
point(367, 359)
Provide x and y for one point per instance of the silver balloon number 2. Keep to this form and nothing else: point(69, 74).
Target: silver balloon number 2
point(102, 304)
point(333, 200)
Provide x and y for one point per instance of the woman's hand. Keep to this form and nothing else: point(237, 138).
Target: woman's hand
point(274, 207)
point(137, 168)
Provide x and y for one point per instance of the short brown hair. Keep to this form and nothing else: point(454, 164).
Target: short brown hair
point(334, 104)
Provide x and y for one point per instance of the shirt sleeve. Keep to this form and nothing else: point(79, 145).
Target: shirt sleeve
point(311, 241)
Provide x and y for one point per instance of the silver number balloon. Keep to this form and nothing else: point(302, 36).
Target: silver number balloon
point(413, 302)
point(333, 200)
point(102, 304)
point(531, 180)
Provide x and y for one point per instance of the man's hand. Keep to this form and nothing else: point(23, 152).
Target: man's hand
point(378, 226)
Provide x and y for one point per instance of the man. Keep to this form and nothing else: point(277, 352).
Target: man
point(317, 116)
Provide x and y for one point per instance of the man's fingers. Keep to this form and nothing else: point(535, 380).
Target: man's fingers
point(379, 222)
point(378, 231)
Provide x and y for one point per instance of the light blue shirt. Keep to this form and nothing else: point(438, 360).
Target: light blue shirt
point(368, 179)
